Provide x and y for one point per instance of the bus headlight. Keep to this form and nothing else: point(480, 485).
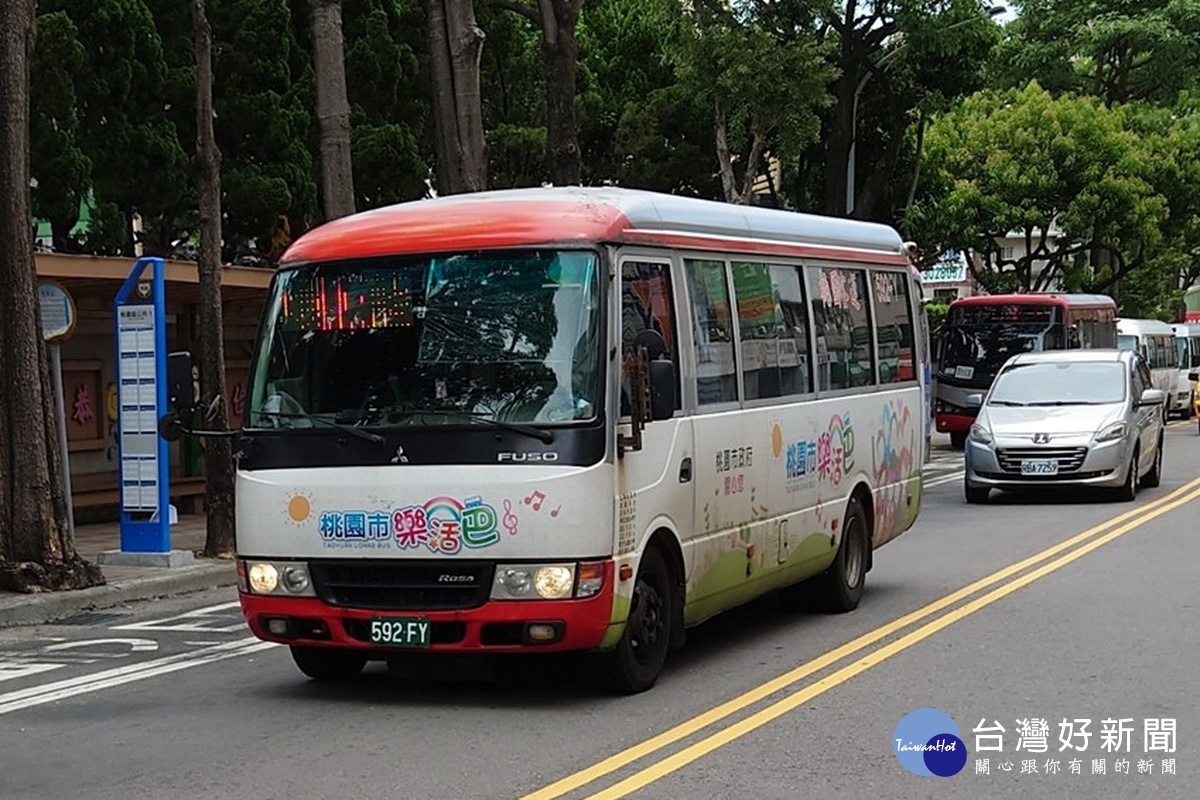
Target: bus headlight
point(539, 582)
point(554, 583)
point(279, 578)
point(263, 578)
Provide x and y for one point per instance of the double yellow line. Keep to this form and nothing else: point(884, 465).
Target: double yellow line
point(1049, 560)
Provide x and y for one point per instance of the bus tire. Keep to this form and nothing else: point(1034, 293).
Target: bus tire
point(840, 587)
point(958, 439)
point(328, 664)
point(1154, 476)
point(635, 663)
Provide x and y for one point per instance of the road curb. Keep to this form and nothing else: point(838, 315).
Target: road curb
point(35, 609)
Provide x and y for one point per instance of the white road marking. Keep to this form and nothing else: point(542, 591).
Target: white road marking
point(197, 620)
point(18, 669)
point(947, 479)
point(135, 645)
point(107, 679)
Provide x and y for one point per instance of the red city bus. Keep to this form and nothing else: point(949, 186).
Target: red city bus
point(981, 333)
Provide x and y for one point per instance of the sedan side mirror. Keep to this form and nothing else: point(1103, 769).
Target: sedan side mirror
point(1152, 397)
point(974, 400)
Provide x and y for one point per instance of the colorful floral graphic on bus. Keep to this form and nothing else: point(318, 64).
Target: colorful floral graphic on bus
point(893, 452)
point(443, 525)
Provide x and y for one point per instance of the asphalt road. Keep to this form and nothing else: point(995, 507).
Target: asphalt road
point(1030, 608)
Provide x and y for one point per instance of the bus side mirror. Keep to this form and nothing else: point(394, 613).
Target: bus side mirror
point(662, 389)
point(180, 394)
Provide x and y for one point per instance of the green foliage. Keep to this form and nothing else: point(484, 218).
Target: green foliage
point(1024, 161)
point(1119, 51)
point(936, 312)
point(61, 169)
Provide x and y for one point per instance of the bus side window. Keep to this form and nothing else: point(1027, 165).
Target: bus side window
point(893, 328)
point(646, 304)
point(712, 329)
point(841, 313)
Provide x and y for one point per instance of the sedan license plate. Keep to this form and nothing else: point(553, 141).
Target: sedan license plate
point(1039, 466)
point(399, 631)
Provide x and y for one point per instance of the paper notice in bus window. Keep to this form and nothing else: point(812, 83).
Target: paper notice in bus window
point(965, 373)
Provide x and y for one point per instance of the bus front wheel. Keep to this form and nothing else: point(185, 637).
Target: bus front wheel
point(328, 663)
point(634, 665)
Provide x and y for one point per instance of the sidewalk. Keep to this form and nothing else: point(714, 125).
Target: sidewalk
point(125, 584)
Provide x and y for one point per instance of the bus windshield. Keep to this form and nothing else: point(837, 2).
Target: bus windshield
point(973, 354)
point(510, 336)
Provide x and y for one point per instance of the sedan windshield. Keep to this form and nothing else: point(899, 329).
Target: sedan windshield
point(511, 337)
point(1062, 383)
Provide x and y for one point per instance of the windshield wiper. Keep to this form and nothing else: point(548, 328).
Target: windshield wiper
point(545, 437)
point(1006, 403)
point(1064, 403)
point(351, 429)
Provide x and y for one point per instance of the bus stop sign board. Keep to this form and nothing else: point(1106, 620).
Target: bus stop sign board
point(141, 339)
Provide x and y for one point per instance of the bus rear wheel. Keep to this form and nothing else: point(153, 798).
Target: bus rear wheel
point(634, 665)
point(328, 663)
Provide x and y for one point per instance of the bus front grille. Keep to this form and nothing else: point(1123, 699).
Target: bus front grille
point(403, 585)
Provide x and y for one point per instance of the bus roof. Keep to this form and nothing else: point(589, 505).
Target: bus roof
point(1139, 326)
point(574, 216)
point(1038, 299)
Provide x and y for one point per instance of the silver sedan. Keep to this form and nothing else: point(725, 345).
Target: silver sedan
point(1067, 418)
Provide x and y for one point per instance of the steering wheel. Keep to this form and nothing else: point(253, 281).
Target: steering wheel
point(280, 402)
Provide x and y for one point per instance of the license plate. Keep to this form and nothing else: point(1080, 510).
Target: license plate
point(1039, 466)
point(399, 631)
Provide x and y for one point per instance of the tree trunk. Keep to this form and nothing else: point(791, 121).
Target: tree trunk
point(333, 108)
point(560, 56)
point(724, 155)
point(218, 461)
point(837, 146)
point(36, 552)
point(456, 48)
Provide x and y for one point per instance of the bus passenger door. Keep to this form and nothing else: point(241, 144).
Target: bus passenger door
point(655, 482)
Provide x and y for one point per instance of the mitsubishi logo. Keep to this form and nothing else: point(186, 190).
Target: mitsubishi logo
point(400, 458)
point(1041, 438)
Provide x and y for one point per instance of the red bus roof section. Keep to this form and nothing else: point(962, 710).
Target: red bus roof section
point(1038, 299)
point(578, 216)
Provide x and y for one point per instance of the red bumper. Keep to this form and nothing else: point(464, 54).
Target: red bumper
point(954, 423)
point(495, 627)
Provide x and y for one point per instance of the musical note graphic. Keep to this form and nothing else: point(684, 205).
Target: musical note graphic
point(535, 500)
point(509, 520)
point(554, 513)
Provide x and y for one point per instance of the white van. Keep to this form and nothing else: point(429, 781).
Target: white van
point(1155, 341)
point(1187, 345)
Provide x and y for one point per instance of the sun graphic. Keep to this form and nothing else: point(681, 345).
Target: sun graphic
point(299, 508)
point(777, 440)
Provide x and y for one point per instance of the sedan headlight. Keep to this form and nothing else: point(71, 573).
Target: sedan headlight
point(278, 578)
point(1115, 431)
point(980, 434)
